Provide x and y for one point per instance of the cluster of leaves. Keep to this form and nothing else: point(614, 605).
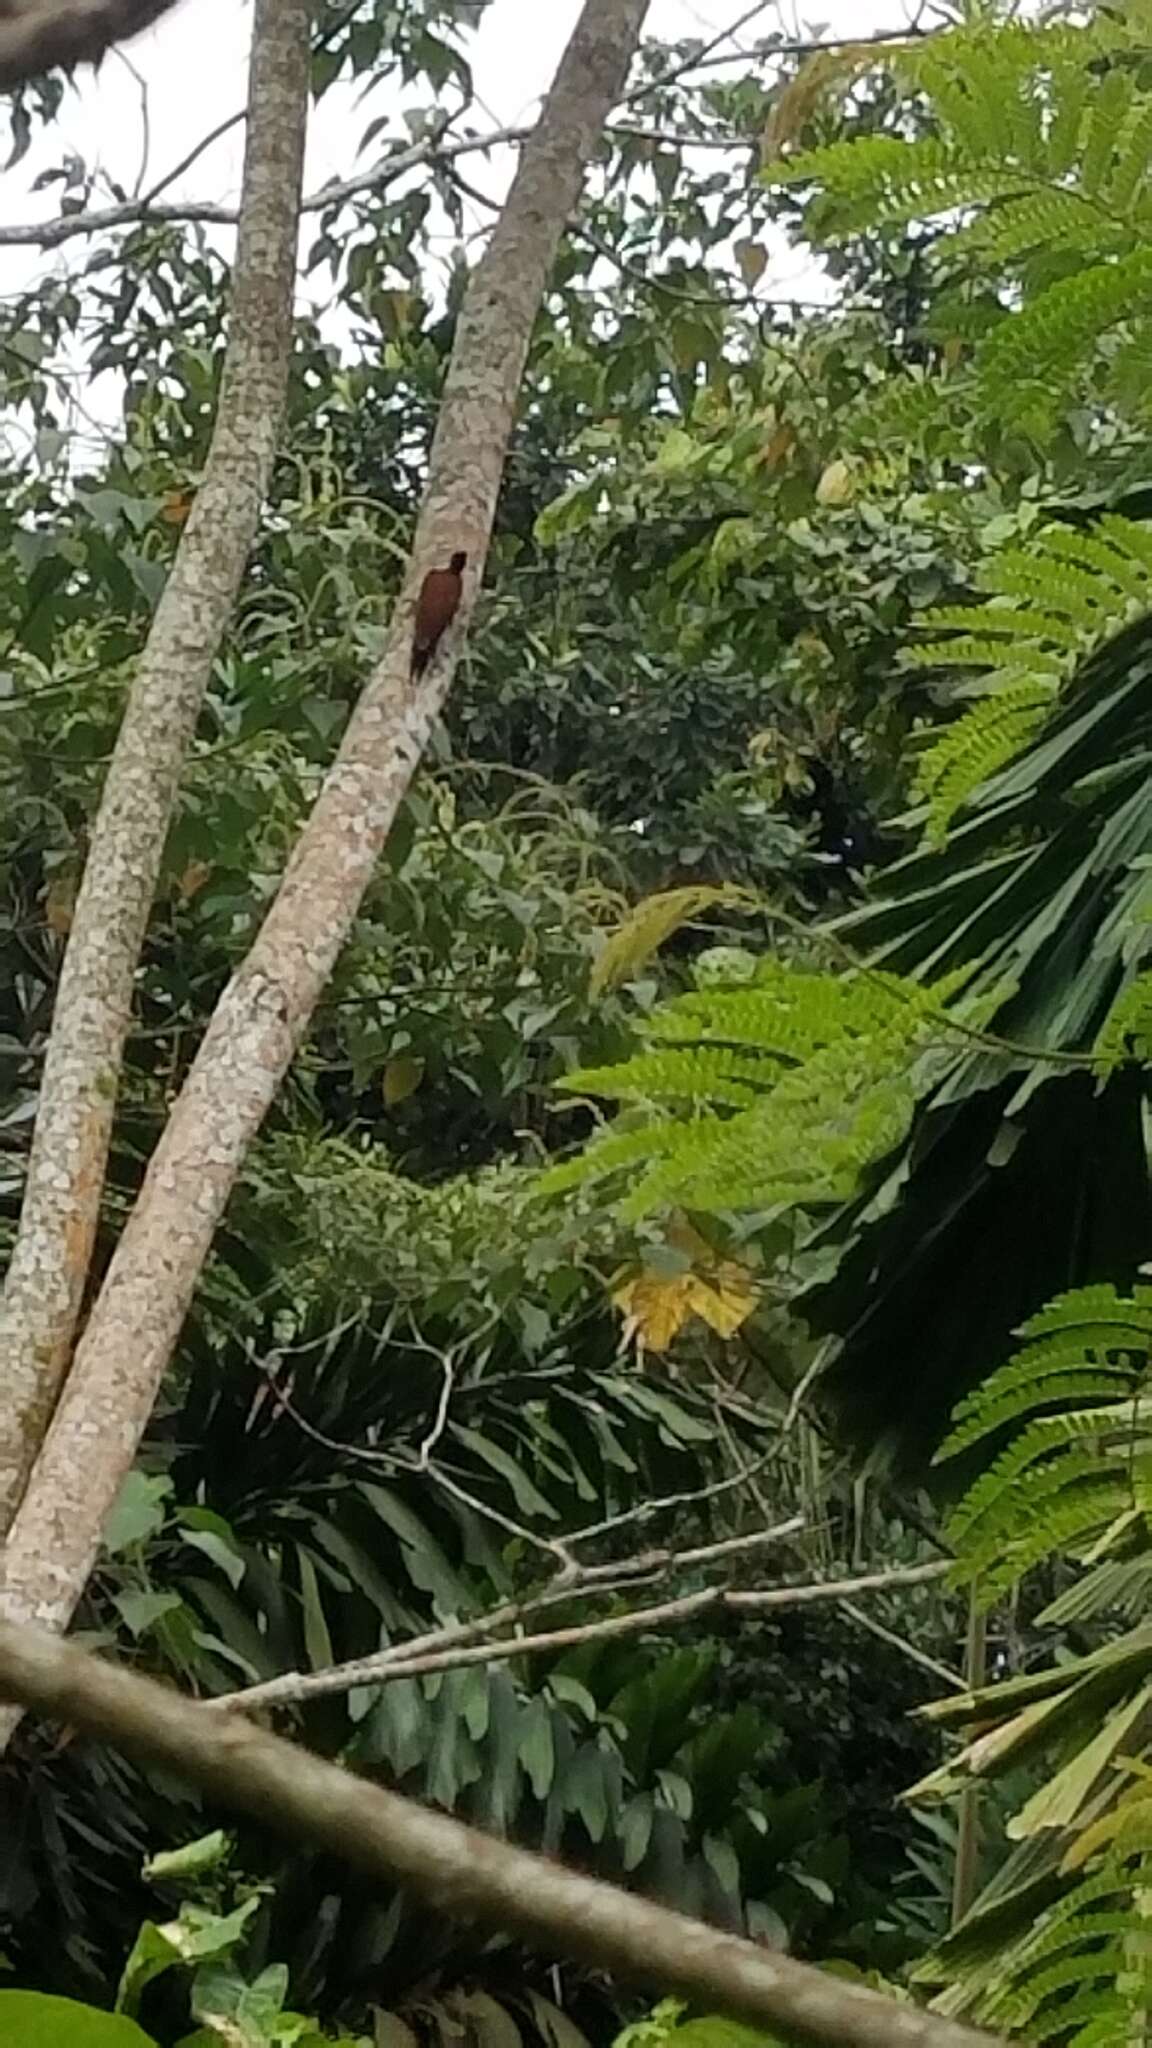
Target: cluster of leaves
point(775, 1094)
point(1066, 1475)
point(402, 1379)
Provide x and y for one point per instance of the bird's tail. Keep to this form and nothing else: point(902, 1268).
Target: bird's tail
point(420, 658)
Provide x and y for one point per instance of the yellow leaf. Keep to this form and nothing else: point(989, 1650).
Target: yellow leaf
point(646, 927)
point(402, 1077)
point(656, 1306)
point(177, 505)
point(655, 1309)
point(836, 486)
point(795, 103)
point(725, 1301)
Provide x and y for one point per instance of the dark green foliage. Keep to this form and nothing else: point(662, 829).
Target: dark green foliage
point(1040, 892)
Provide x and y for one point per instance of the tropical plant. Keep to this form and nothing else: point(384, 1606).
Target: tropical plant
point(1065, 1475)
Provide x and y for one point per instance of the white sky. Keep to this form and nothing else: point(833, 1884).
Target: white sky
point(193, 65)
point(190, 73)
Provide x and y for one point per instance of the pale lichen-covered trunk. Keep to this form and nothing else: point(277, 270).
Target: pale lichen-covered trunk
point(266, 1008)
point(49, 1263)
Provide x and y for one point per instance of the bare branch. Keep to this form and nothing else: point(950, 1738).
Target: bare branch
point(460, 1872)
point(50, 234)
point(403, 1661)
point(838, 1589)
point(932, 1665)
point(574, 1581)
point(94, 1001)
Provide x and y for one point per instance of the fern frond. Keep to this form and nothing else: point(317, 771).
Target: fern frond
point(1001, 617)
point(699, 1073)
point(1040, 347)
point(1128, 383)
point(1065, 1476)
point(904, 410)
point(1052, 601)
point(611, 1152)
point(968, 650)
point(1061, 1523)
point(1130, 536)
point(804, 1144)
point(1131, 158)
point(791, 1013)
point(1108, 555)
point(1107, 115)
point(980, 741)
point(1027, 574)
point(884, 181)
point(1126, 1033)
point(1047, 1382)
point(1098, 1315)
point(1012, 228)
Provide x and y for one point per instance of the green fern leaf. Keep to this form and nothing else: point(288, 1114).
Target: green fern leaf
point(1099, 1314)
point(968, 650)
point(1106, 116)
point(969, 751)
point(689, 1074)
point(1101, 557)
point(1126, 1033)
point(1131, 157)
point(1039, 348)
point(1020, 226)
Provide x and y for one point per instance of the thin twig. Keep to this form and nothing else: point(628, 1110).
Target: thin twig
point(914, 1655)
point(837, 1589)
point(391, 1664)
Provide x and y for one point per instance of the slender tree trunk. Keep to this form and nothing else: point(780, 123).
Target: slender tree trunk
point(266, 1008)
point(49, 1264)
point(456, 1869)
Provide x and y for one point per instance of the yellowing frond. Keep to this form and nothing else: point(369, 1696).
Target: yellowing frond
point(646, 928)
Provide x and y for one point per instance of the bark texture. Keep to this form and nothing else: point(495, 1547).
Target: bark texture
point(460, 1872)
point(266, 1008)
point(39, 35)
point(93, 1004)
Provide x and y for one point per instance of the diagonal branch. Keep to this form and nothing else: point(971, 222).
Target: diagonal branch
point(460, 1872)
point(94, 1000)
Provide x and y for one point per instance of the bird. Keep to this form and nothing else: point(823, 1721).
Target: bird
point(436, 608)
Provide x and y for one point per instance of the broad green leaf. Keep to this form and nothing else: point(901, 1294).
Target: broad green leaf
point(34, 2019)
point(138, 1512)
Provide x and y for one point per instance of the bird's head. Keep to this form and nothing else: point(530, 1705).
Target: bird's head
point(458, 564)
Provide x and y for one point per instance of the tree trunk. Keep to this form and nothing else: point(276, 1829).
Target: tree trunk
point(266, 1008)
point(49, 1263)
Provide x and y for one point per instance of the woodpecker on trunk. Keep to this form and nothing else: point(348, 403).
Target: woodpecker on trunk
point(436, 608)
